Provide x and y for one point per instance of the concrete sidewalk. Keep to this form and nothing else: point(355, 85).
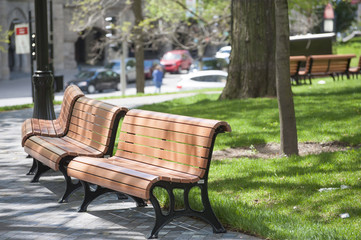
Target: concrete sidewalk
point(30, 210)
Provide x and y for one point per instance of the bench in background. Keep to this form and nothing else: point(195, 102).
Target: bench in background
point(327, 65)
point(295, 65)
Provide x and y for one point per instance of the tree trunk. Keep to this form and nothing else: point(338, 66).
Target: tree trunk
point(252, 68)
point(139, 45)
point(287, 117)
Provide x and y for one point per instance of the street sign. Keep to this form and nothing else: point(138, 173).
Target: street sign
point(22, 44)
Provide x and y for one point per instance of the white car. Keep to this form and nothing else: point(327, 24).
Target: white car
point(224, 53)
point(203, 79)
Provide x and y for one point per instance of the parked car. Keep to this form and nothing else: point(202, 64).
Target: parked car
point(176, 60)
point(209, 63)
point(98, 80)
point(130, 73)
point(203, 79)
point(224, 53)
point(149, 65)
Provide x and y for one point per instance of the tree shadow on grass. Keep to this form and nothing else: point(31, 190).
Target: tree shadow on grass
point(295, 183)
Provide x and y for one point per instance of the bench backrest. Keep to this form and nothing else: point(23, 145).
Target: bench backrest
point(71, 94)
point(170, 141)
point(57, 127)
point(92, 123)
point(295, 63)
point(330, 63)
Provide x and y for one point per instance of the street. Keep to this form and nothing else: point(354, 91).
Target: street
point(17, 91)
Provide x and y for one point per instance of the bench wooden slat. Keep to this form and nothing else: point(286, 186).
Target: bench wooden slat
point(80, 145)
point(41, 158)
point(167, 155)
point(164, 134)
point(166, 145)
point(177, 127)
point(59, 128)
point(71, 149)
point(94, 136)
point(102, 105)
point(97, 112)
point(94, 128)
point(160, 162)
point(91, 118)
point(87, 162)
point(164, 173)
point(86, 141)
point(174, 118)
point(47, 128)
point(41, 142)
point(109, 184)
point(36, 125)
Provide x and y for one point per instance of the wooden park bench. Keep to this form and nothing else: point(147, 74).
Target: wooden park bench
point(295, 64)
point(327, 65)
point(51, 128)
point(355, 70)
point(91, 132)
point(155, 150)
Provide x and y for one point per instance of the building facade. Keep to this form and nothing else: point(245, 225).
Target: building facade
point(70, 48)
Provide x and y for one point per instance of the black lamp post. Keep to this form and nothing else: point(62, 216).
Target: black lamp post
point(42, 78)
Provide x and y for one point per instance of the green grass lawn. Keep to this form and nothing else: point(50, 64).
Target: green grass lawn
point(280, 198)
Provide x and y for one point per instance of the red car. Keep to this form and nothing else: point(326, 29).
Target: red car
point(176, 60)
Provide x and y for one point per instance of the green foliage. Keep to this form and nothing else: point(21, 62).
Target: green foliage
point(306, 7)
point(4, 38)
point(345, 13)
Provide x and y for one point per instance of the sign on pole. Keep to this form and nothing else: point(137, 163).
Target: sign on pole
point(22, 44)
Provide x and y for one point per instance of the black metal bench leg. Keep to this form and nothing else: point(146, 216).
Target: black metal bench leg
point(121, 196)
point(208, 214)
point(140, 202)
point(40, 169)
point(33, 167)
point(90, 195)
point(160, 219)
point(70, 186)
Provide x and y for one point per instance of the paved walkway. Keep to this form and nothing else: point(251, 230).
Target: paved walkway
point(30, 210)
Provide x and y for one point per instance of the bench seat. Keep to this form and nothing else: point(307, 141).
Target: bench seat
point(125, 175)
point(50, 151)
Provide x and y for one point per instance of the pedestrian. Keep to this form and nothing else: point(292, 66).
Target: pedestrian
point(157, 78)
